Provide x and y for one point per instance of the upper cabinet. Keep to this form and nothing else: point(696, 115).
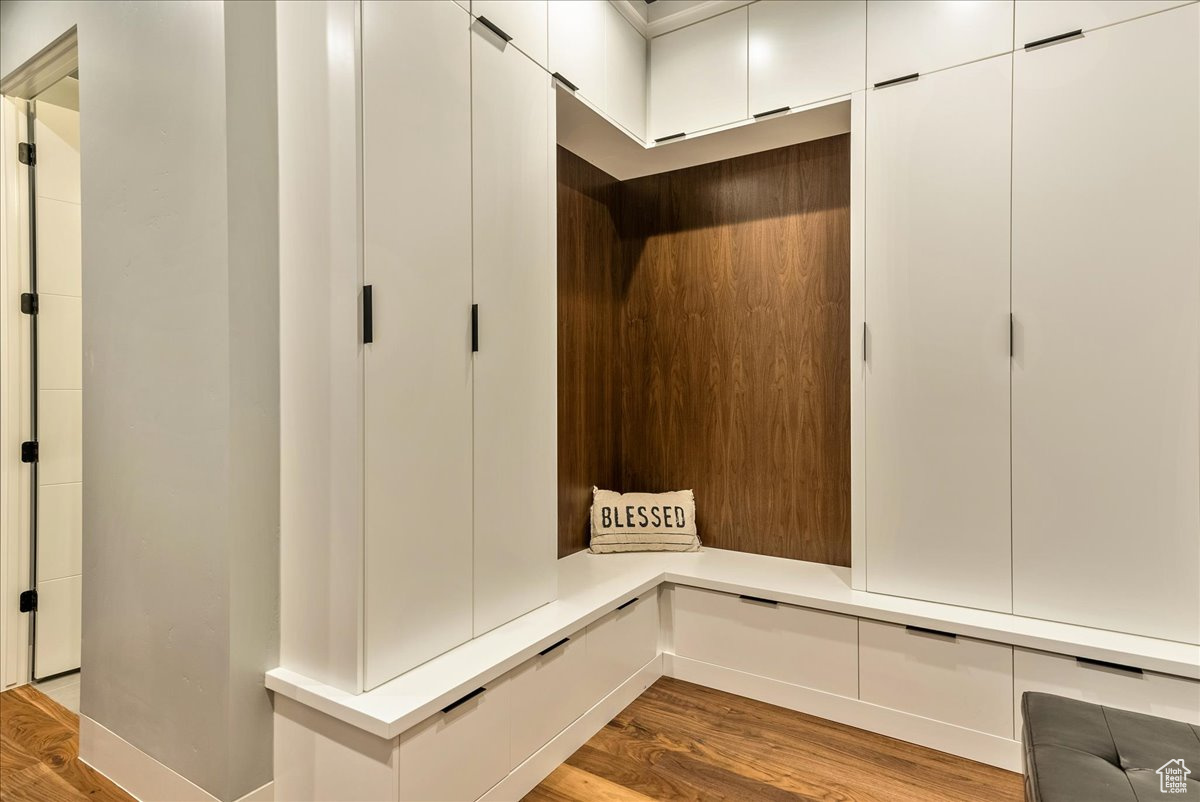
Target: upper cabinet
point(698, 76)
point(577, 46)
point(917, 36)
point(625, 70)
point(523, 21)
point(1042, 19)
point(804, 51)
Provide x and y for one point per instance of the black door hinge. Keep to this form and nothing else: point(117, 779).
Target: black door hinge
point(27, 153)
point(28, 601)
point(29, 451)
point(29, 303)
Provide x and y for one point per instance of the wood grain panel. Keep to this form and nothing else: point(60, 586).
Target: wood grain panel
point(684, 741)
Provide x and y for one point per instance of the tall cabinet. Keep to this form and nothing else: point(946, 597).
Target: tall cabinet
point(1106, 294)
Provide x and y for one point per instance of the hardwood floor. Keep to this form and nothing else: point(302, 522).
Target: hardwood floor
point(687, 742)
point(39, 753)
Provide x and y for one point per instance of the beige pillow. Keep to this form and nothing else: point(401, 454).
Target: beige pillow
point(643, 521)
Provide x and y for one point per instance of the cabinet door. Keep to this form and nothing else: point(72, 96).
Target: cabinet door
point(417, 372)
point(806, 50)
point(1039, 19)
point(937, 384)
point(625, 71)
point(907, 36)
point(1106, 378)
point(577, 46)
point(698, 76)
point(516, 459)
point(524, 20)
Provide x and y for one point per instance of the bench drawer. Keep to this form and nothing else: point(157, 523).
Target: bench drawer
point(456, 756)
point(547, 695)
point(791, 644)
point(1154, 694)
point(620, 643)
point(957, 680)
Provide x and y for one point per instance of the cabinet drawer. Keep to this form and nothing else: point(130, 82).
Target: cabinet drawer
point(621, 643)
point(957, 680)
point(1147, 692)
point(547, 695)
point(458, 754)
point(791, 644)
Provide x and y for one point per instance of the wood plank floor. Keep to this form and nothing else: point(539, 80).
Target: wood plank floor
point(39, 753)
point(687, 742)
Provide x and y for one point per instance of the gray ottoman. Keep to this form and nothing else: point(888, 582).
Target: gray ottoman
point(1080, 752)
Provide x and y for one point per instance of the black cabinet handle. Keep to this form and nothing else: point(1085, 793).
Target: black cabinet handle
point(463, 700)
point(552, 647)
point(494, 28)
point(368, 316)
point(626, 604)
point(669, 137)
point(772, 111)
point(1092, 663)
point(562, 79)
point(902, 79)
point(937, 633)
point(1049, 40)
point(758, 600)
point(474, 328)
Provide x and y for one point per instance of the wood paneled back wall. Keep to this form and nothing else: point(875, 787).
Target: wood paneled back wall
point(703, 343)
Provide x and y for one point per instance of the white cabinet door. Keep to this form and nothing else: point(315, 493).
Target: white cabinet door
point(907, 36)
point(698, 76)
point(417, 372)
point(1106, 377)
point(523, 20)
point(1040, 19)
point(937, 383)
point(516, 391)
point(625, 72)
point(577, 46)
point(802, 51)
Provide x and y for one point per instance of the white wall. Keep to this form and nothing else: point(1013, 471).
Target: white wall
point(180, 337)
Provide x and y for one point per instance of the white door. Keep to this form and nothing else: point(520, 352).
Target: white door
point(698, 76)
point(921, 36)
point(417, 369)
point(525, 21)
point(516, 390)
point(577, 46)
point(1106, 294)
point(1040, 19)
point(937, 386)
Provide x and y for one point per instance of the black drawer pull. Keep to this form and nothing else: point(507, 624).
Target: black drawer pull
point(772, 111)
point(552, 647)
point(626, 604)
point(463, 700)
point(1088, 661)
point(562, 79)
point(368, 316)
point(757, 599)
point(474, 328)
point(937, 633)
point(902, 79)
point(1049, 40)
point(669, 137)
point(494, 28)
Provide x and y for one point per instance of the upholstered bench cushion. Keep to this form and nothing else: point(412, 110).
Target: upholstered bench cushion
point(1081, 752)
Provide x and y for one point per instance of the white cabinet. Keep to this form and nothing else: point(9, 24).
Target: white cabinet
point(811, 648)
point(417, 371)
point(625, 72)
point(1103, 684)
point(698, 76)
point(515, 381)
point(548, 693)
point(461, 752)
point(919, 36)
point(1106, 376)
point(802, 51)
point(621, 643)
point(524, 21)
point(957, 680)
point(577, 46)
point(937, 381)
point(1041, 19)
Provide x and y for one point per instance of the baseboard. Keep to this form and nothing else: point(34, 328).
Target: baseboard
point(525, 777)
point(140, 775)
point(971, 744)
